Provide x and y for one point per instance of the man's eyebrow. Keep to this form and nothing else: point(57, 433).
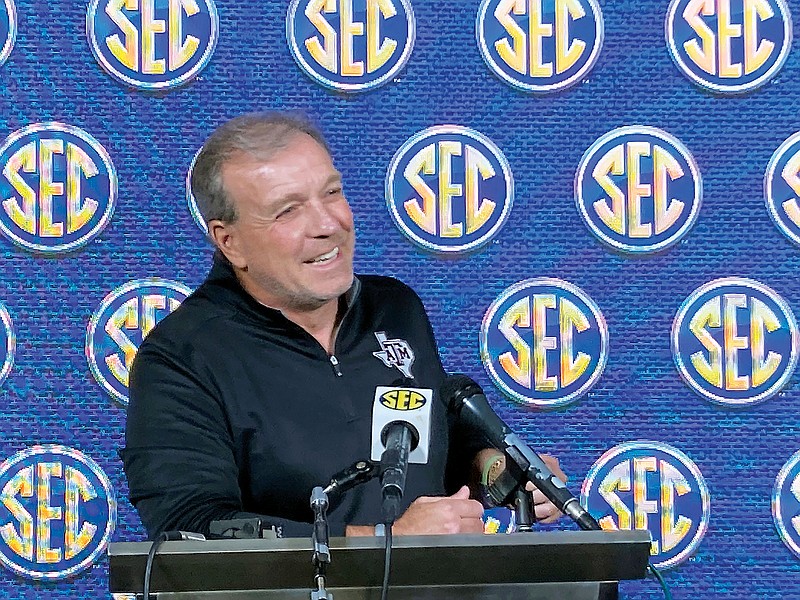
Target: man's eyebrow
point(334, 178)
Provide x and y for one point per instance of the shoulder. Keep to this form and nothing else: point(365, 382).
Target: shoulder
point(385, 287)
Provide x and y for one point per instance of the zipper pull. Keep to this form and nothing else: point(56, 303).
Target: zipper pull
point(335, 363)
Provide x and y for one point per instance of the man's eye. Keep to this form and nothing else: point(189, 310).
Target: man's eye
point(335, 191)
point(286, 212)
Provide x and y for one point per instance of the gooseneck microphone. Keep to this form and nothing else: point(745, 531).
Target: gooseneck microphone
point(465, 399)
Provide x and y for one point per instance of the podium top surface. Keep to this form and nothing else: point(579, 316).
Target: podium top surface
point(478, 559)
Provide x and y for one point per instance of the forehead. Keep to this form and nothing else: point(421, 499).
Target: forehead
point(300, 163)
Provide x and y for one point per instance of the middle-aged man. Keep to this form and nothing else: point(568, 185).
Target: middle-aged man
point(260, 385)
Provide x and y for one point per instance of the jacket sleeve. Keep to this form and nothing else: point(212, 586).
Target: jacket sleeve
point(179, 454)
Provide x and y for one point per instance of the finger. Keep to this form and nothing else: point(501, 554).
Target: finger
point(472, 526)
point(461, 494)
point(467, 509)
point(552, 463)
point(547, 512)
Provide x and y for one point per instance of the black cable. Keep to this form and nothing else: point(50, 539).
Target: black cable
point(657, 575)
point(387, 562)
point(151, 554)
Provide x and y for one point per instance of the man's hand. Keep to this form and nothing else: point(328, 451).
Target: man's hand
point(546, 511)
point(430, 515)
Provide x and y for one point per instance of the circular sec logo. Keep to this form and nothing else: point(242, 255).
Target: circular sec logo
point(449, 189)
point(638, 189)
point(735, 341)
point(782, 188)
point(58, 512)
point(544, 342)
point(540, 46)
point(351, 45)
point(190, 199)
point(653, 487)
point(786, 503)
point(729, 46)
point(151, 44)
point(8, 342)
point(8, 28)
point(58, 188)
point(118, 327)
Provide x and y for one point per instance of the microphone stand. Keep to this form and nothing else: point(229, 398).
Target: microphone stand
point(360, 472)
point(319, 539)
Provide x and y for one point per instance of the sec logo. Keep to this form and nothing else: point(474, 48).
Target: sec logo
point(152, 44)
point(58, 188)
point(190, 200)
point(540, 45)
point(120, 324)
point(638, 189)
point(8, 28)
point(544, 342)
point(351, 45)
point(7, 343)
point(729, 46)
point(57, 512)
point(782, 188)
point(735, 341)
point(449, 189)
point(786, 503)
point(654, 487)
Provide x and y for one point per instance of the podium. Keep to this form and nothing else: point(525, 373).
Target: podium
point(565, 565)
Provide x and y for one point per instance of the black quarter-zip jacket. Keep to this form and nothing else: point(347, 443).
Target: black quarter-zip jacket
point(235, 411)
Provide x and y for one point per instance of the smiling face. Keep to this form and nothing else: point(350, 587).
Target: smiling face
point(292, 241)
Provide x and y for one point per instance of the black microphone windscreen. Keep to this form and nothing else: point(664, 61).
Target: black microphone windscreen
point(457, 387)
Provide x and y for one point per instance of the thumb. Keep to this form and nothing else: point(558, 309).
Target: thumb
point(461, 494)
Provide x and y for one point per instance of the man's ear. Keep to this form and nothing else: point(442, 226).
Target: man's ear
point(224, 237)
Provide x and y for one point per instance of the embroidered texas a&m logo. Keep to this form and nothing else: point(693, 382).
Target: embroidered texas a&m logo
point(395, 353)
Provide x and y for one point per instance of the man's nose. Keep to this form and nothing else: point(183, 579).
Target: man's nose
point(323, 221)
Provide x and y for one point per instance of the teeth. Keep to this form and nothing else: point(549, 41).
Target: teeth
point(326, 257)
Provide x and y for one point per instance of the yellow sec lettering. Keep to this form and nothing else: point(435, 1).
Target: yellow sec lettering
point(323, 52)
point(618, 478)
point(389, 399)
point(672, 530)
point(624, 214)
point(77, 534)
point(21, 542)
point(525, 52)
point(349, 30)
point(379, 50)
point(437, 206)
point(718, 44)
point(791, 175)
point(641, 505)
point(24, 215)
point(180, 50)
point(35, 214)
point(126, 53)
point(45, 513)
point(724, 372)
point(530, 366)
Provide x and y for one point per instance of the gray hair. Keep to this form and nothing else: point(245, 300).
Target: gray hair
point(259, 135)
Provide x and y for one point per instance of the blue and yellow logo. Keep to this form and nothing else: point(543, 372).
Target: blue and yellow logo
point(735, 341)
point(8, 343)
point(653, 487)
point(120, 324)
point(152, 44)
point(786, 503)
point(58, 188)
point(638, 189)
point(449, 189)
point(351, 45)
point(782, 187)
point(540, 45)
point(57, 512)
point(729, 46)
point(8, 28)
point(403, 399)
point(544, 342)
point(190, 200)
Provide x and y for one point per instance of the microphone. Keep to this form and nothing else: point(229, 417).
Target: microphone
point(466, 400)
point(401, 418)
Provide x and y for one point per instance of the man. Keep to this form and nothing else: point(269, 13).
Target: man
point(260, 386)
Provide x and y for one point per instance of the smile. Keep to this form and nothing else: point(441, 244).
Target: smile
point(324, 258)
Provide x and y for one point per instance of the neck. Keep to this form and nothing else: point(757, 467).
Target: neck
point(320, 323)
